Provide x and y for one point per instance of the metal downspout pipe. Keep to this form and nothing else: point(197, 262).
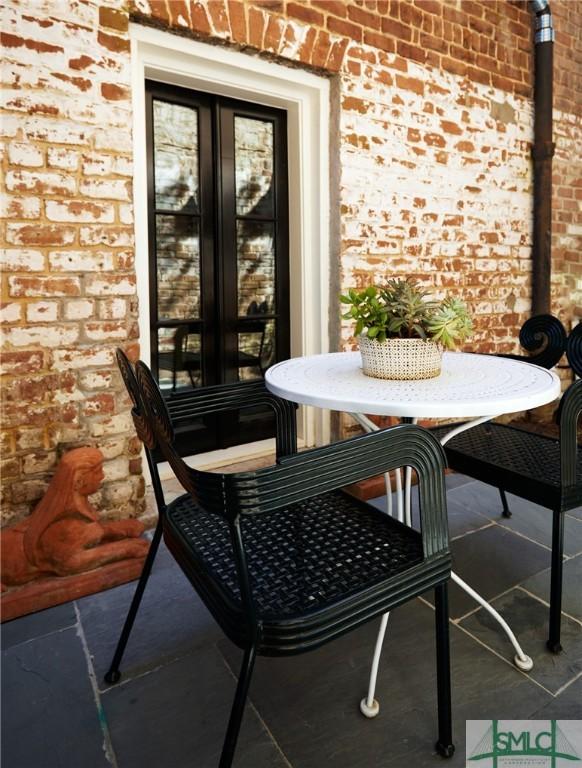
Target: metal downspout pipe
point(542, 152)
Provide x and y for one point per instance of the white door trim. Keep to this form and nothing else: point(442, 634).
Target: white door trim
point(173, 59)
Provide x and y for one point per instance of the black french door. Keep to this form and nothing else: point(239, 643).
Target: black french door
point(219, 251)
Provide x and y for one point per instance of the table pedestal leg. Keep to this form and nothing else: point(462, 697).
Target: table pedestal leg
point(369, 706)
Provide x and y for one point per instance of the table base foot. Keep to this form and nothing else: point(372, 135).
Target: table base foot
point(525, 663)
point(368, 711)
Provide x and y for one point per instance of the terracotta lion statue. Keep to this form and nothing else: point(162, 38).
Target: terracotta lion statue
point(63, 535)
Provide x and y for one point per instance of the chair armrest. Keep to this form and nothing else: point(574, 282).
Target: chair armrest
point(320, 470)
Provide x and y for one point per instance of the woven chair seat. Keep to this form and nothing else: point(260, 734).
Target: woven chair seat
point(306, 557)
point(522, 462)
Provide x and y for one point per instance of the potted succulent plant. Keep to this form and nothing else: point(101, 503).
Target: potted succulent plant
point(402, 332)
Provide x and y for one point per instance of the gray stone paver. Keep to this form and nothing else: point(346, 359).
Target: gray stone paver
point(171, 708)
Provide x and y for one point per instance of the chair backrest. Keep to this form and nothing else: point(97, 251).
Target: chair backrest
point(161, 416)
point(545, 338)
point(142, 425)
point(570, 410)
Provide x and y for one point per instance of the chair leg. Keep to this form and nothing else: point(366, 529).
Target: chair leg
point(113, 674)
point(444, 745)
point(238, 707)
point(556, 582)
point(506, 511)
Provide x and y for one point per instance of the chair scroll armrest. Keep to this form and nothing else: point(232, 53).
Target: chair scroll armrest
point(544, 337)
point(300, 477)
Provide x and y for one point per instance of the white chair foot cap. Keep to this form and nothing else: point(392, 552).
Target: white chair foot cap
point(369, 711)
point(525, 663)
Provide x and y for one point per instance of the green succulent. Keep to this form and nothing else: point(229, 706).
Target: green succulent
point(402, 309)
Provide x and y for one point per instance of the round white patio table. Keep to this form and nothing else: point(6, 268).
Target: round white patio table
point(479, 387)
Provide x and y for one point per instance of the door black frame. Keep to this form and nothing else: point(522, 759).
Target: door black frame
point(217, 216)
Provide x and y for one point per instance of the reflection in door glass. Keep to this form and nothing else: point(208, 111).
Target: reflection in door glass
point(176, 157)
point(178, 267)
point(253, 152)
point(255, 249)
point(178, 358)
point(256, 348)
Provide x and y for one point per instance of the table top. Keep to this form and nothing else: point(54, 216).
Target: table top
point(469, 385)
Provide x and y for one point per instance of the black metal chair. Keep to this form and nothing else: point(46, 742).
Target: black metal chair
point(284, 560)
point(541, 469)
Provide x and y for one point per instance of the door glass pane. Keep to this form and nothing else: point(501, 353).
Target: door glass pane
point(179, 356)
point(255, 248)
point(178, 267)
point(256, 348)
point(176, 157)
point(253, 153)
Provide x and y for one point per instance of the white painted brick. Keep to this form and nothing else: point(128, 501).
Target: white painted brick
point(22, 260)
point(81, 261)
point(117, 469)
point(122, 166)
point(95, 380)
point(67, 159)
point(25, 154)
point(112, 309)
point(18, 207)
point(51, 130)
point(126, 213)
point(116, 425)
point(79, 359)
point(42, 311)
point(120, 237)
point(43, 336)
point(111, 189)
point(120, 286)
point(79, 309)
point(79, 211)
point(10, 312)
point(42, 182)
point(97, 165)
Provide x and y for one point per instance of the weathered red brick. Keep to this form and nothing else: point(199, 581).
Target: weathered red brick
point(342, 27)
point(44, 286)
point(113, 43)
point(39, 234)
point(13, 41)
point(321, 49)
point(396, 29)
point(305, 13)
point(238, 22)
point(219, 16)
point(365, 18)
point(114, 92)
point(335, 7)
point(273, 34)
point(336, 56)
point(113, 18)
point(383, 42)
point(82, 62)
point(257, 23)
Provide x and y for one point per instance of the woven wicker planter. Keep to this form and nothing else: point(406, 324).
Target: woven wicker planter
point(402, 359)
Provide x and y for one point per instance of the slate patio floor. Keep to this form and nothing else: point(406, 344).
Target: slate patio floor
point(171, 707)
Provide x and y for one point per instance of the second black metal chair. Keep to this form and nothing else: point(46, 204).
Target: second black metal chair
point(283, 558)
point(541, 469)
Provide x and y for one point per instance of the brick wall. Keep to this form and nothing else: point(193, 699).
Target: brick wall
point(436, 181)
point(68, 283)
